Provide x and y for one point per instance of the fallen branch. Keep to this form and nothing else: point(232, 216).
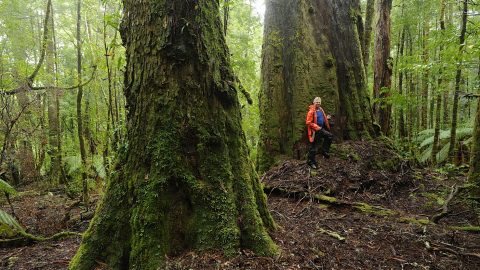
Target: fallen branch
point(27, 239)
point(454, 190)
point(332, 234)
point(437, 247)
point(474, 229)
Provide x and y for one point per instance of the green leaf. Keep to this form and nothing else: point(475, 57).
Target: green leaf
point(443, 154)
point(5, 187)
point(426, 155)
point(8, 220)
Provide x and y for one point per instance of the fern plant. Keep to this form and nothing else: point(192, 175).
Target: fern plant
point(9, 225)
point(425, 140)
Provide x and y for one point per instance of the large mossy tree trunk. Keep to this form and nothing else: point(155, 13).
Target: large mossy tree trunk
point(311, 48)
point(184, 181)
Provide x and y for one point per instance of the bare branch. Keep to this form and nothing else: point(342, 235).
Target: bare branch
point(29, 87)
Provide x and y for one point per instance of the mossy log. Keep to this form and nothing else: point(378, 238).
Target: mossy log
point(184, 180)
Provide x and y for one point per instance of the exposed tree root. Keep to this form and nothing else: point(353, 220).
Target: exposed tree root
point(454, 190)
point(26, 239)
point(451, 249)
point(372, 209)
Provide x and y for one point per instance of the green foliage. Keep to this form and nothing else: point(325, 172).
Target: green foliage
point(7, 188)
point(8, 225)
point(425, 142)
point(244, 39)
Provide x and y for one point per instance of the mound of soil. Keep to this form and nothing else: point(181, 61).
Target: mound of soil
point(354, 170)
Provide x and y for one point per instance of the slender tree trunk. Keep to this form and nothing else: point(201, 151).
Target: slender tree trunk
point(369, 14)
point(53, 118)
point(83, 153)
point(88, 121)
point(401, 115)
point(436, 136)
point(458, 77)
point(185, 181)
point(425, 77)
point(383, 66)
point(474, 173)
point(410, 93)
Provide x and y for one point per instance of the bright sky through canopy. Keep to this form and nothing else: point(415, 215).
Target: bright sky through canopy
point(259, 7)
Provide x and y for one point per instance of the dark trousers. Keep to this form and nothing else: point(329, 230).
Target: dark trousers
point(327, 141)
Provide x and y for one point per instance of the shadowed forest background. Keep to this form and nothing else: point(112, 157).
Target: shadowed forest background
point(184, 106)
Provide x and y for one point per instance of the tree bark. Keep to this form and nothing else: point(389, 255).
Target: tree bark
point(436, 136)
point(80, 131)
point(310, 49)
point(402, 131)
point(382, 66)
point(369, 14)
point(55, 174)
point(474, 173)
point(425, 77)
point(458, 77)
point(185, 181)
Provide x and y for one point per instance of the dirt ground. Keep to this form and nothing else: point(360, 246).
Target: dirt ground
point(381, 218)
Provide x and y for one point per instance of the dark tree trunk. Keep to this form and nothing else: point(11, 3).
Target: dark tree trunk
point(55, 174)
point(425, 77)
point(326, 61)
point(474, 174)
point(80, 130)
point(369, 14)
point(382, 81)
point(185, 181)
point(458, 77)
point(402, 131)
point(436, 136)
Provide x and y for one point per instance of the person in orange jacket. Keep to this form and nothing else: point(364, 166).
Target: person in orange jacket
point(318, 129)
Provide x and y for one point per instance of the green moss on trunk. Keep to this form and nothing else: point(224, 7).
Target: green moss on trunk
point(187, 183)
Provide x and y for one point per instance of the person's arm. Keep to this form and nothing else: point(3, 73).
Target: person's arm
point(310, 122)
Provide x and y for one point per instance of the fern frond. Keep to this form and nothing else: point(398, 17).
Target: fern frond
point(5, 187)
point(8, 220)
point(422, 135)
point(73, 163)
point(426, 154)
point(98, 165)
point(442, 155)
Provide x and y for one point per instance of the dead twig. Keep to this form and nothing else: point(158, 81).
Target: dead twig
point(454, 190)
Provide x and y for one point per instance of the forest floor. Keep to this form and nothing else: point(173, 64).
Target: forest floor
point(364, 208)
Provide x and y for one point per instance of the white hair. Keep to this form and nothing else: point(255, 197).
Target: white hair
point(317, 99)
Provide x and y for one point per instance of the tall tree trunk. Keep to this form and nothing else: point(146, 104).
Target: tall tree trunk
point(474, 173)
point(185, 181)
point(325, 62)
point(425, 77)
point(80, 132)
point(458, 77)
point(382, 66)
point(436, 136)
point(402, 131)
point(367, 39)
point(52, 110)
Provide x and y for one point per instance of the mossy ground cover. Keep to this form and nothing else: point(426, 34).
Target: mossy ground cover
point(371, 218)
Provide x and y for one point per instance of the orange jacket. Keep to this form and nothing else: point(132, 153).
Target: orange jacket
point(311, 122)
